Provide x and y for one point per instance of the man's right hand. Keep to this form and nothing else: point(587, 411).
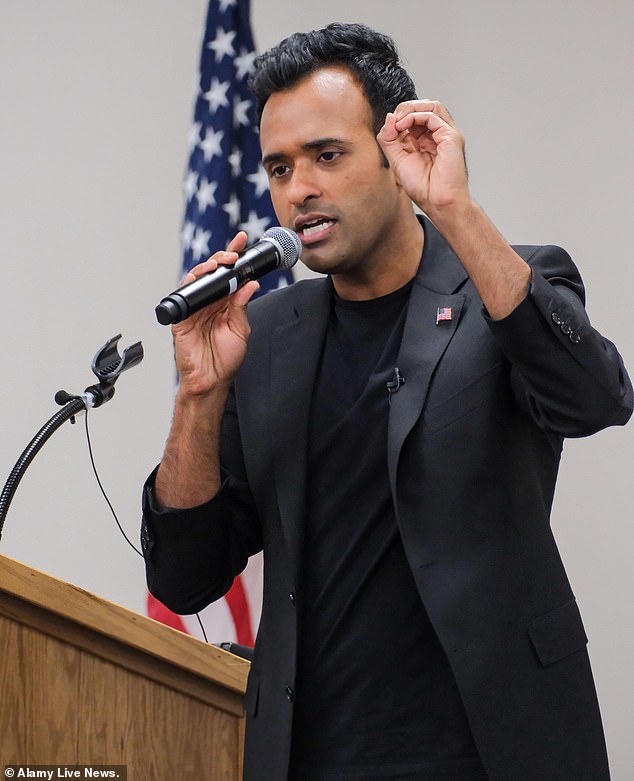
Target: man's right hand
point(210, 345)
point(209, 348)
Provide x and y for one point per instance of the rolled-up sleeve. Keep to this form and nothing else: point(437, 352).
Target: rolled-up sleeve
point(192, 555)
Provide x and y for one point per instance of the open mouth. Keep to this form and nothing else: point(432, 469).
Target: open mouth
point(317, 227)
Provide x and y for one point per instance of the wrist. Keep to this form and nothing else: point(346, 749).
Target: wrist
point(455, 215)
point(194, 404)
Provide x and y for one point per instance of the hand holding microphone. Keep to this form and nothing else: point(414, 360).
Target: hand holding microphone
point(278, 248)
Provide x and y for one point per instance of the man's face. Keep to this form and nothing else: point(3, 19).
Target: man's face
point(326, 173)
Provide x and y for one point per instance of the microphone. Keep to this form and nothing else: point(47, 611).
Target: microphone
point(393, 384)
point(278, 248)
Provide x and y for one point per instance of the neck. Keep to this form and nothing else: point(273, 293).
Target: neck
point(385, 277)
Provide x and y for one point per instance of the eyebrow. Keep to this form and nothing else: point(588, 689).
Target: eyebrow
point(318, 143)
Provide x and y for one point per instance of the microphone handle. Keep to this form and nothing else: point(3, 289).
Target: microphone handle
point(214, 286)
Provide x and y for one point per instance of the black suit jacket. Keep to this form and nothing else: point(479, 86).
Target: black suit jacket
point(474, 440)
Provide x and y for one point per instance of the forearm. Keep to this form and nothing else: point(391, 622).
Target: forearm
point(189, 473)
point(197, 532)
point(500, 276)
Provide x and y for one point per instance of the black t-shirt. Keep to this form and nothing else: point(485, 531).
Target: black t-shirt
point(375, 696)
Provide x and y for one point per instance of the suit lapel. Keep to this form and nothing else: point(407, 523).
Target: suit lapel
point(295, 357)
point(296, 349)
point(424, 340)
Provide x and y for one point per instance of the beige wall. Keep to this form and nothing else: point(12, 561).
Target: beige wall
point(95, 102)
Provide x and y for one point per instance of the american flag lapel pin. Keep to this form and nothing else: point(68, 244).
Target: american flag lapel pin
point(443, 313)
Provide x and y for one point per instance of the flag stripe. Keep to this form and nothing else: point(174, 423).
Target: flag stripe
point(238, 603)
point(159, 612)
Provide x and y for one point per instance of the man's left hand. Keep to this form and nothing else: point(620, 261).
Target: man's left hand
point(426, 152)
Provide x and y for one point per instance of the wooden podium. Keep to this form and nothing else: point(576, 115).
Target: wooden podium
point(84, 681)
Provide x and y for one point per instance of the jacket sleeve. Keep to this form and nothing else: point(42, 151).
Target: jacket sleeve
point(565, 374)
point(193, 555)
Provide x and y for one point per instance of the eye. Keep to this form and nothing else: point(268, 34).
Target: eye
point(278, 170)
point(329, 156)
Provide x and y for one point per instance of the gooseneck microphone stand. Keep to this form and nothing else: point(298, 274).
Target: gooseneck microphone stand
point(107, 365)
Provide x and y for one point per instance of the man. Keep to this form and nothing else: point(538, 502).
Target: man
point(390, 436)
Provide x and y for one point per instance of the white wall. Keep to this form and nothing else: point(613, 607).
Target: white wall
point(95, 102)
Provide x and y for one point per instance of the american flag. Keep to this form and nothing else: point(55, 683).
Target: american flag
point(443, 313)
point(226, 190)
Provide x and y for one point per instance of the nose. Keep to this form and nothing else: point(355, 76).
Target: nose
point(303, 185)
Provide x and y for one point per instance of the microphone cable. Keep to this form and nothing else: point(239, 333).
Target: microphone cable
point(114, 514)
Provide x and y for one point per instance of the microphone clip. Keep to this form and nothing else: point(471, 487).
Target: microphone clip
point(107, 365)
point(394, 383)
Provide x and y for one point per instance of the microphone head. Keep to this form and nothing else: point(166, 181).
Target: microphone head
point(288, 244)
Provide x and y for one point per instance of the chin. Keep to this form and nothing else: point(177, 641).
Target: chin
point(323, 262)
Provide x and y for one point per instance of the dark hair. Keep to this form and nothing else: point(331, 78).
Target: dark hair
point(371, 57)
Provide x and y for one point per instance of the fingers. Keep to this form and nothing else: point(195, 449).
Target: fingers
point(238, 242)
point(427, 106)
point(423, 121)
point(221, 258)
point(419, 126)
point(421, 117)
point(243, 294)
point(388, 132)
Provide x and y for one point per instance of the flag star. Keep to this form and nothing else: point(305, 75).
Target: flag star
point(222, 44)
point(211, 144)
point(216, 95)
point(200, 244)
point(240, 108)
point(260, 180)
point(235, 161)
point(282, 282)
point(255, 226)
point(205, 194)
point(224, 4)
point(233, 210)
point(194, 135)
point(187, 234)
point(244, 63)
point(190, 184)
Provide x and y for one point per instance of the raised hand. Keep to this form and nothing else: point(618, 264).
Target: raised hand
point(426, 152)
